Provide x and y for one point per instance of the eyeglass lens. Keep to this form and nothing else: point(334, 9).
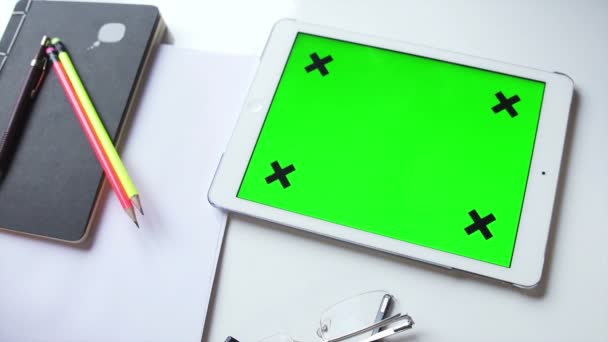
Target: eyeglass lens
point(352, 314)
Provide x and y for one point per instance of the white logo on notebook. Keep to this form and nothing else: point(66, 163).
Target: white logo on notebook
point(109, 33)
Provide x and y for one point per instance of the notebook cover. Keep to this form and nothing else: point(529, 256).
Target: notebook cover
point(51, 186)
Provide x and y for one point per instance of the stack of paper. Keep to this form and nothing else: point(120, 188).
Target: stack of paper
point(151, 284)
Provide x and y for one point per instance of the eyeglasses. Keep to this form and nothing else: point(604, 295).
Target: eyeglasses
point(362, 318)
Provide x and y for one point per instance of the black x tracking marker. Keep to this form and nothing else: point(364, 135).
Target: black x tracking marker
point(280, 174)
point(506, 104)
point(480, 224)
point(318, 63)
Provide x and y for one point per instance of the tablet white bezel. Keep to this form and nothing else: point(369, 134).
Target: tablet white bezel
point(529, 252)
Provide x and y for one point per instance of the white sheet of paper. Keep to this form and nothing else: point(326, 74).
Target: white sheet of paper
point(151, 284)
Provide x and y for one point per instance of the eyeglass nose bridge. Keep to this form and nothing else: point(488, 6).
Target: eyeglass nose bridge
point(322, 329)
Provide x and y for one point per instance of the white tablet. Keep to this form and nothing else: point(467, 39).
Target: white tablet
point(424, 153)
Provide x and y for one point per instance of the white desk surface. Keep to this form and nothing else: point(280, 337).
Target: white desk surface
point(272, 279)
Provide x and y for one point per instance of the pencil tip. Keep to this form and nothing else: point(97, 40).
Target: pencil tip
point(131, 214)
point(137, 203)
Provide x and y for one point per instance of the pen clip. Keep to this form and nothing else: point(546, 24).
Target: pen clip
point(40, 79)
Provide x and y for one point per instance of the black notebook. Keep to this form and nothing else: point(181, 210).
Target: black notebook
point(51, 187)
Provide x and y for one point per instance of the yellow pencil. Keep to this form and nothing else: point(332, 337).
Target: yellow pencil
point(98, 126)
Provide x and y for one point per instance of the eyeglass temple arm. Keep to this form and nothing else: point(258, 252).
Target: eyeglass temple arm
point(395, 318)
point(389, 331)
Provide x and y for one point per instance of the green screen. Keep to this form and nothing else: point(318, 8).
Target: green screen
point(415, 149)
